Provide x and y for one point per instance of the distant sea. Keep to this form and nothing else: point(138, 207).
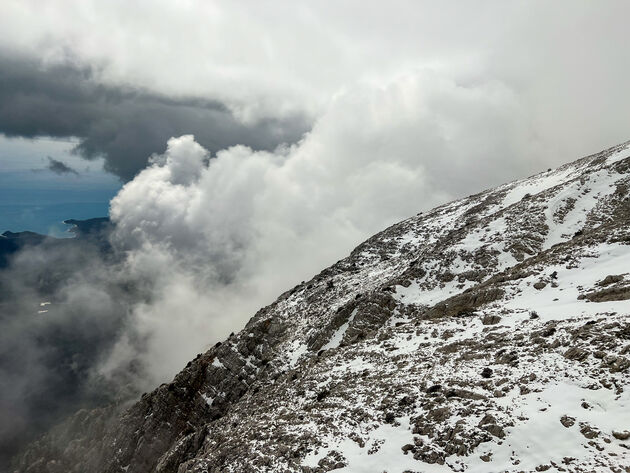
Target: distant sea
point(48, 219)
point(44, 210)
point(34, 198)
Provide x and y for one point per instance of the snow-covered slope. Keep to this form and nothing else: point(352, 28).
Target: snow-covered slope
point(490, 334)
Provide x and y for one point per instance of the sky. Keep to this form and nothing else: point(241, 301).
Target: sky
point(242, 147)
point(43, 183)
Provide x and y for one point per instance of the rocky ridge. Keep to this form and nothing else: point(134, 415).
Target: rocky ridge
point(489, 334)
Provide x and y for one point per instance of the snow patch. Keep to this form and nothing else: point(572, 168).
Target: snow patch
point(335, 340)
point(295, 351)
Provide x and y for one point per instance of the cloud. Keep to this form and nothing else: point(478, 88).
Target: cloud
point(123, 124)
point(217, 236)
point(261, 75)
point(274, 60)
point(261, 60)
point(59, 167)
point(49, 353)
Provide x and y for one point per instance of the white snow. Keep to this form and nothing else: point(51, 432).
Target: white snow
point(542, 437)
point(414, 294)
point(207, 398)
point(599, 186)
point(335, 340)
point(295, 351)
point(409, 237)
point(387, 440)
point(619, 155)
point(43, 304)
point(535, 185)
point(562, 302)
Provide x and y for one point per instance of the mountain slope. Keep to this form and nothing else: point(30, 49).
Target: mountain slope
point(489, 334)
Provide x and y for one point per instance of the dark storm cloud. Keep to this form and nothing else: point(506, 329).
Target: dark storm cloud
point(124, 125)
point(59, 167)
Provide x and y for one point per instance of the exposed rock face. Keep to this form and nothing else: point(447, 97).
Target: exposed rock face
point(490, 334)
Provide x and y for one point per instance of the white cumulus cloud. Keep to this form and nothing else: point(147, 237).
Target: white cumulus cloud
point(216, 237)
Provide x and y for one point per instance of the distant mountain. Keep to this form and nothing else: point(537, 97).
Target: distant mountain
point(95, 229)
point(489, 334)
point(11, 242)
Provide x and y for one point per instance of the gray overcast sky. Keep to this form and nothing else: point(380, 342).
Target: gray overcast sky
point(125, 76)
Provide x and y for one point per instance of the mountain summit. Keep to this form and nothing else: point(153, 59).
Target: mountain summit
point(489, 334)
